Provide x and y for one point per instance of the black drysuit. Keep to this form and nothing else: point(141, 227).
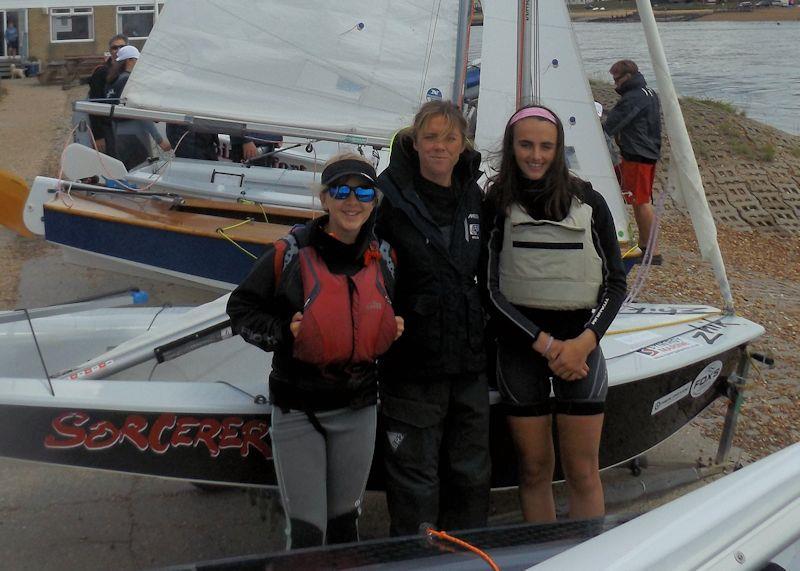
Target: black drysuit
point(434, 394)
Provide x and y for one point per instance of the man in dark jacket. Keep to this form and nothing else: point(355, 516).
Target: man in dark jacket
point(635, 121)
point(98, 86)
point(433, 390)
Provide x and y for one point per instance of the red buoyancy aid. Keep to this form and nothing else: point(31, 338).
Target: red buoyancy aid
point(346, 319)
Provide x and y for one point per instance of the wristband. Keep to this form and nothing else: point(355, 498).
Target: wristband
point(547, 347)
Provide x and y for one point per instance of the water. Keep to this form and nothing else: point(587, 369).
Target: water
point(753, 65)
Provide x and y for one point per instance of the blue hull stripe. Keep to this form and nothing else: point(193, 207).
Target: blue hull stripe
point(207, 257)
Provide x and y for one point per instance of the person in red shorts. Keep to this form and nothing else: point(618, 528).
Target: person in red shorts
point(635, 123)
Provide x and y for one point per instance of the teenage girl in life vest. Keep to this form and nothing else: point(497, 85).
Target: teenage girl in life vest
point(320, 299)
point(556, 281)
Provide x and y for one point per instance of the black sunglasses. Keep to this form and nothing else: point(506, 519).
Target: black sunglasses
point(112, 48)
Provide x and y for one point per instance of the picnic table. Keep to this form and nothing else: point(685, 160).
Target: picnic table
point(70, 69)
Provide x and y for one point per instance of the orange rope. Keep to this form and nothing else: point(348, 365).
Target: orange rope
point(447, 537)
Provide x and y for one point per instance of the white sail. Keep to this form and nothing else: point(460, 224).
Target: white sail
point(497, 98)
point(351, 67)
point(562, 86)
point(684, 172)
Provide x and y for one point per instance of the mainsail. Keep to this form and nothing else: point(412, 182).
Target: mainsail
point(557, 80)
point(347, 70)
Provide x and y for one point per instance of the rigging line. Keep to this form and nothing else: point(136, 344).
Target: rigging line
point(535, 75)
point(232, 226)
point(646, 266)
point(152, 321)
point(222, 233)
point(39, 352)
point(238, 389)
point(254, 203)
point(429, 49)
point(152, 371)
point(520, 52)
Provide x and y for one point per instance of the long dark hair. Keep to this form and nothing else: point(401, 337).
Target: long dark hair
point(505, 187)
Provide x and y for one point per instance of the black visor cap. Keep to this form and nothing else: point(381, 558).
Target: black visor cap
point(348, 167)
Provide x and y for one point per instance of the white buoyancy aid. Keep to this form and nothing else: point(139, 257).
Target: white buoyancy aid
point(550, 265)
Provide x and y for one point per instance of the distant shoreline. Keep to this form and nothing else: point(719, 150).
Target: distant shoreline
point(770, 14)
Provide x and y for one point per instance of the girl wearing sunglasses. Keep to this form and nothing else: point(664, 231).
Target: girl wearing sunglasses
point(320, 299)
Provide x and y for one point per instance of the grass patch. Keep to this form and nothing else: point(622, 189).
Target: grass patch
point(701, 149)
point(723, 106)
point(739, 144)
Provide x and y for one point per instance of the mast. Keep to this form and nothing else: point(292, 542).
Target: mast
point(684, 165)
point(462, 50)
point(524, 83)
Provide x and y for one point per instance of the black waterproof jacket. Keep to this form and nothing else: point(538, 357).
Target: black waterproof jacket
point(436, 291)
point(101, 126)
point(636, 121)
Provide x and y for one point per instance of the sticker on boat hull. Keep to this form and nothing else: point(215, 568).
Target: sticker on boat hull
point(668, 347)
point(706, 378)
point(696, 388)
point(670, 399)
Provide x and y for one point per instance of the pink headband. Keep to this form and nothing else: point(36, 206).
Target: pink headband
point(533, 112)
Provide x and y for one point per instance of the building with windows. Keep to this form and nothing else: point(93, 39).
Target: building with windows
point(57, 29)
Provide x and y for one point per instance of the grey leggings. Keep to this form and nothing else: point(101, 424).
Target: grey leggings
point(322, 478)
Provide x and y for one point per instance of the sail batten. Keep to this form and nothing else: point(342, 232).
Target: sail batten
point(360, 68)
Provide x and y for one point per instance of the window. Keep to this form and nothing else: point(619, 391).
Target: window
point(71, 24)
point(135, 21)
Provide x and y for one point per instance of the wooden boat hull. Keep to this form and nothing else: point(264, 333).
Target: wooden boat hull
point(210, 242)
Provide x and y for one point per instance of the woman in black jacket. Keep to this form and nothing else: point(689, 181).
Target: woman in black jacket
point(434, 394)
point(556, 281)
point(320, 299)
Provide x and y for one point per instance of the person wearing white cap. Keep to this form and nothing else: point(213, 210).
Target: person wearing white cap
point(131, 143)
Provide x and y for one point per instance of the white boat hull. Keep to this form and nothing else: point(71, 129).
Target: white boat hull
point(177, 377)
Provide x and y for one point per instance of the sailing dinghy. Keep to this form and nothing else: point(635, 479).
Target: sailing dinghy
point(175, 397)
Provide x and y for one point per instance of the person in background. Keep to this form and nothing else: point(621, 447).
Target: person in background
point(320, 299)
point(635, 123)
point(246, 148)
point(98, 87)
point(434, 390)
point(555, 283)
point(131, 144)
point(191, 144)
point(12, 39)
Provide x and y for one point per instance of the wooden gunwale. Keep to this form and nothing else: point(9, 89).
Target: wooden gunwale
point(165, 215)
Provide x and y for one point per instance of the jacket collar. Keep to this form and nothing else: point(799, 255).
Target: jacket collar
point(635, 81)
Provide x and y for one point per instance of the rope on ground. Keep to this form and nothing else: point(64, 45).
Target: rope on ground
point(461, 543)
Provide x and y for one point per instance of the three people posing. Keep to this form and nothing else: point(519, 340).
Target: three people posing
point(554, 281)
